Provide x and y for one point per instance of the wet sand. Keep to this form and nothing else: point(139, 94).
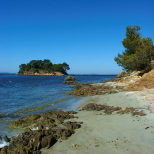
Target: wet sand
point(115, 133)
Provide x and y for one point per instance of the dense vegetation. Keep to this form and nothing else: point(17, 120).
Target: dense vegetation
point(138, 53)
point(43, 66)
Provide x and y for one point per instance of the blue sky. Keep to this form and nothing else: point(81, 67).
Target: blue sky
point(86, 34)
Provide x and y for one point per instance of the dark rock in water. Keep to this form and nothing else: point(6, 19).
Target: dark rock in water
point(5, 139)
point(70, 80)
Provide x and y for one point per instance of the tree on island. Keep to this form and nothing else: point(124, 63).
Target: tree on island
point(43, 66)
point(139, 51)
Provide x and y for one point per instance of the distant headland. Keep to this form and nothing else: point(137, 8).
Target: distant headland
point(43, 67)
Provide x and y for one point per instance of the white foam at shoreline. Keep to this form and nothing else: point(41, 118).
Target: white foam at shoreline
point(3, 144)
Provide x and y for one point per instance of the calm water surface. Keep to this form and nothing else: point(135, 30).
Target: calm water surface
point(25, 95)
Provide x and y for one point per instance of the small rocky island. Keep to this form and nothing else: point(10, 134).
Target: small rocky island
point(43, 67)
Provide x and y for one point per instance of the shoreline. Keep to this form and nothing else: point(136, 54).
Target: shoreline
point(130, 112)
point(110, 134)
point(43, 74)
point(72, 100)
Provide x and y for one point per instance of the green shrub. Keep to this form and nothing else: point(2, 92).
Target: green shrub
point(138, 51)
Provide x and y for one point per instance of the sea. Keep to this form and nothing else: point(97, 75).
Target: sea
point(25, 95)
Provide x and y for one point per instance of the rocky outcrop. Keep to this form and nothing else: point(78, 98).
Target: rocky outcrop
point(90, 90)
point(33, 141)
point(136, 81)
point(43, 73)
point(146, 81)
point(41, 130)
point(48, 119)
point(110, 109)
point(120, 83)
point(70, 80)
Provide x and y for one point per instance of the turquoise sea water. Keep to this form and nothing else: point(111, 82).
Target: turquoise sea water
point(25, 95)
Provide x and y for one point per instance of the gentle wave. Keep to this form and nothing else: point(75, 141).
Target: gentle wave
point(38, 108)
point(3, 144)
point(24, 95)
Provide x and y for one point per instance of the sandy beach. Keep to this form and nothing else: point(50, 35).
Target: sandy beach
point(115, 133)
point(111, 120)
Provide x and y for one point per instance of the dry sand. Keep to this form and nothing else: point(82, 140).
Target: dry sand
point(112, 134)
